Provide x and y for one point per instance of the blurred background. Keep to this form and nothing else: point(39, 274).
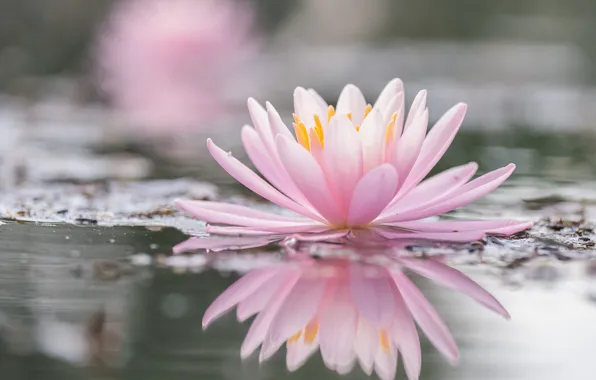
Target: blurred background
point(90, 76)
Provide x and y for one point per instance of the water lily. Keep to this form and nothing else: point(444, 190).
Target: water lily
point(352, 167)
point(349, 310)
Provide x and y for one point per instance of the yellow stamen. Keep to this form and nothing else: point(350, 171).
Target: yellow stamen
point(384, 341)
point(296, 118)
point(315, 141)
point(302, 135)
point(319, 129)
point(330, 113)
point(310, 332)
point(390, 131)
point(367, 110)
point(349, 115)
point(295, 337)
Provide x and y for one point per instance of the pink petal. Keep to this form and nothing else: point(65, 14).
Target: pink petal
point(338, 329)
point(406, 337)
point(418, 106)
point(247, 231)
point(320, 102)
point(372, 136)
point(343, 160)
point(395, 105)
point(255, 183)
point(409, 146)
point(510, 230)
point(220, 243)
point(259, 299)
point(277, 125)
point(299, 352)
point(452, 278)
point(426, 317)
point(316, 149)
point(466, 194)
point(260, 326)
point(434, 188)
point(372, 294)
point(394, 87)
point(452, 237)
point(321, 236)
point(297, 310)
point(306, 107)
point(462, 225)
point(435, 145)
point(269, 165)
point(309, 178)
point(210, 215)
point(351, 101)
point(235, 209)
point(262, 231)
point(366, 345)
point(237, 292)
point(386, 363)
point(260, 121)
point(372, 194)
point(345, 368)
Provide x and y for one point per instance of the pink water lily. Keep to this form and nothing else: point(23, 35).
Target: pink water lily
point(355, 166)
point(350, 311)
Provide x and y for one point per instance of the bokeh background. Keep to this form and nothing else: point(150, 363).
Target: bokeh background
point(525, 68)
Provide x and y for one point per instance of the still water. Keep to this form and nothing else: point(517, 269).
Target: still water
point(75, 305)
point(89, 301)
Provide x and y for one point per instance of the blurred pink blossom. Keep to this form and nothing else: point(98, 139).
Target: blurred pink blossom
point(165, 63)
point(349, 310)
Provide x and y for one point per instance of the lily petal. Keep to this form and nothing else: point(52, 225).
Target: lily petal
point(466, 194)
point(255, 183)
point(394, 87)
point(309, 178)
point(343, 160)
point(452, 278)
point(372, 194)
point(372, 137)
point(426, 316)
point(408, 147)
point(238, 291)
point(351, 101)
point(435, 145)
point(222, 243)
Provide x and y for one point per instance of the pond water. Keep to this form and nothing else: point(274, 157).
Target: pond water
point(90, 288)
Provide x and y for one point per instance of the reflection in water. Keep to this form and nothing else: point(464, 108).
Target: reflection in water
point(352, 310)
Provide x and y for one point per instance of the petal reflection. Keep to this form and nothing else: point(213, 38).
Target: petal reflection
point(361, 310)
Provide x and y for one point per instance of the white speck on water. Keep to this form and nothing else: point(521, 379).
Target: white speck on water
point(141, 259)
point(153, 246)
point(112, 241)
point(177, 261)
point(67, 237)
point(174, 305)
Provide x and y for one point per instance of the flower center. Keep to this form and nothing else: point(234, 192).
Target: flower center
point(316, 135)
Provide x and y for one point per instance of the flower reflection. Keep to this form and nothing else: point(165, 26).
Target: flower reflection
point(362, 311)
